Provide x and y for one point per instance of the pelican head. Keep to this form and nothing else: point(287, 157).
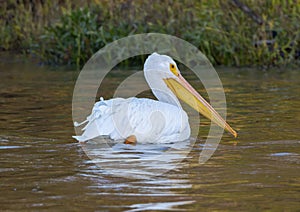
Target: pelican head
point(167, 83)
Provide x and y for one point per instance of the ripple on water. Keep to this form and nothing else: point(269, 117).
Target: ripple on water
point(158, 206)
point(282, 154)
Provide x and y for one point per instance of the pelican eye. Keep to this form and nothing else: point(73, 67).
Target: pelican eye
point(173, 69)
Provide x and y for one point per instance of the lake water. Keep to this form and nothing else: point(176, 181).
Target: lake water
point(43, 168)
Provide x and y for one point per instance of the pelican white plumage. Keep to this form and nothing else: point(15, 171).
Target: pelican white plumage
point(145, 120)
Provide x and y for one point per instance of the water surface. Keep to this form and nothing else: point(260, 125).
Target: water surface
point(42, 167)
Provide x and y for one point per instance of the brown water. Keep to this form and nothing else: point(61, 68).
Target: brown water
point(42, 167)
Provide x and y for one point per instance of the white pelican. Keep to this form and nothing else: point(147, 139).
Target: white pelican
point(145, 120)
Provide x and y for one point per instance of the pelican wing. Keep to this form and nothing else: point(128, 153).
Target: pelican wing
point(149, 120)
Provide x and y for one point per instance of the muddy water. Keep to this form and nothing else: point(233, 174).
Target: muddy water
point(43, 168)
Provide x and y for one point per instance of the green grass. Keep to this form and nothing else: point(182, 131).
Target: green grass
point(69, 32)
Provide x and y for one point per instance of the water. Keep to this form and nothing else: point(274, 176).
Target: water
point(43, 168)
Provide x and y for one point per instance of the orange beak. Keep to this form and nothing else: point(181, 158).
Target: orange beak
point(183, 90)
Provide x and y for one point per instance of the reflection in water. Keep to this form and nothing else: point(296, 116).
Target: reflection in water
point(158, 206)
point(42, 168)
point(137, 161)
point(40, 173)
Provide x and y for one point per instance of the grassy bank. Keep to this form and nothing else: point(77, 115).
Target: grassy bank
point(69, 32)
